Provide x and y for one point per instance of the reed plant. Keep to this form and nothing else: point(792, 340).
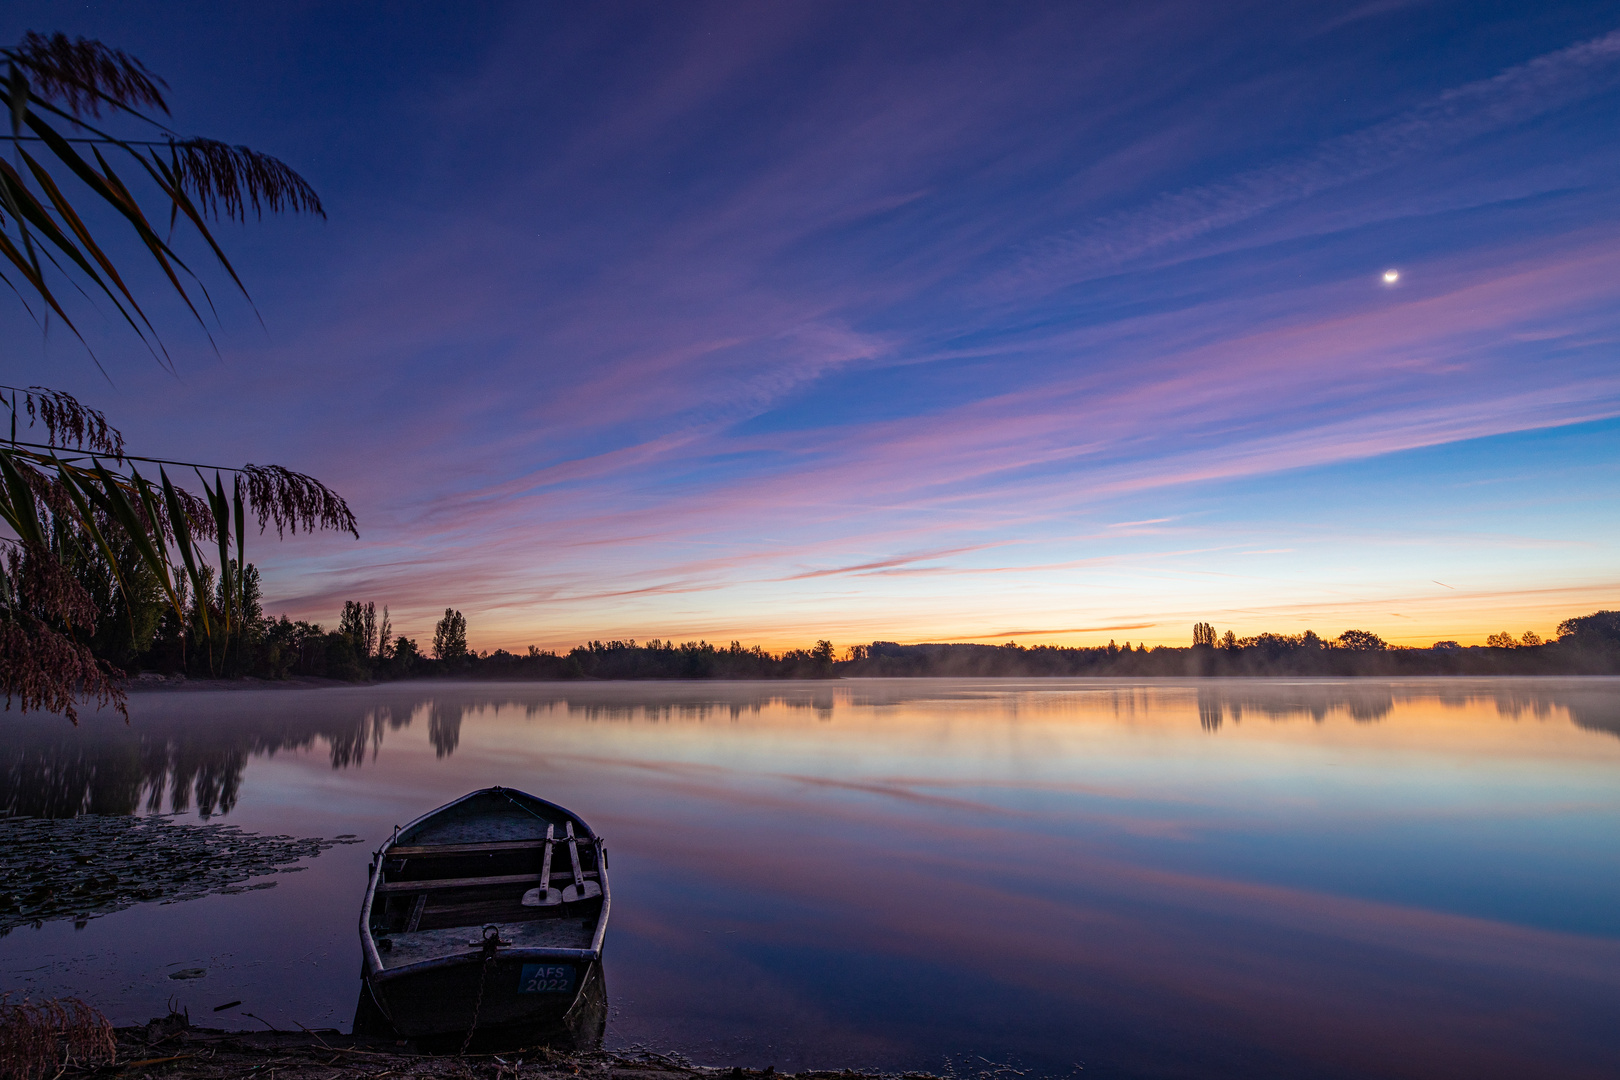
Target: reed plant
point(38, 1038)
point(78, 495)
point(79, 485)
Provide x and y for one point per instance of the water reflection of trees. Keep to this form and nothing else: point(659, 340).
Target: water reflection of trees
point(186, 757)
point(174, 763)
point(1594, 706)
point(182, 755)
point(821, 704)
point(1595, 710)
point(1363, 704)
point(444, 727)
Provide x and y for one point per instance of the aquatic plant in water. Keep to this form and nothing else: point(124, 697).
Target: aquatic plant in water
point(84, 867)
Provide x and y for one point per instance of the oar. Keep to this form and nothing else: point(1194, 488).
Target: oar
point(544, 895)
point(580, 889)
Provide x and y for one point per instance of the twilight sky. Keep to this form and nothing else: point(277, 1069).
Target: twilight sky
point(1051, 322)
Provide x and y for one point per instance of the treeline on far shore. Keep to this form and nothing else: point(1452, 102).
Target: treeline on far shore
point(362, 648)
point(1590, 647)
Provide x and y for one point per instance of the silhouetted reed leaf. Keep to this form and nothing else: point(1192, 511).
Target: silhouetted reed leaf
point(65, 210)
point(115, 499)
point(180, 522)
point(36, 281)
point(165, 256)
point(82, 497)
point(23, 202)
point(19, 510)
point(222, 534)
point(239, 512)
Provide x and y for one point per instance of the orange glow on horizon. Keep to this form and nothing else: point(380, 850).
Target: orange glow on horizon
point(1467, 621)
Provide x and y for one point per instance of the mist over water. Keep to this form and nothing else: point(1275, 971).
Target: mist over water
point(1266, 878)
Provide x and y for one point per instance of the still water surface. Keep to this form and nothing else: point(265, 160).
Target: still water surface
point(1281, 878)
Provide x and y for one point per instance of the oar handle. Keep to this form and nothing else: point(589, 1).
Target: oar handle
point(573, 853)
point(545, 860)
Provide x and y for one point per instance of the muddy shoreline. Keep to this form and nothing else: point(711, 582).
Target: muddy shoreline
point(170, 1047)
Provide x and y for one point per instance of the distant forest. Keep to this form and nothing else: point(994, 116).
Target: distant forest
point(362, 648)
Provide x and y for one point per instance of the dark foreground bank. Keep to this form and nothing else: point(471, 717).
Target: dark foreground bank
point(170, 1047)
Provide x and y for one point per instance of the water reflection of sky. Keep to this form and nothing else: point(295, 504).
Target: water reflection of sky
point(1413, 878)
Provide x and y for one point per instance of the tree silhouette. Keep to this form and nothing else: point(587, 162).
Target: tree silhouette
point(359, 622)
point(1361, 641)
point(450, 636)
point(1598, 626)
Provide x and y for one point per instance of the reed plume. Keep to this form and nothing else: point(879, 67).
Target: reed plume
point(235, 177)
point(292, 499)
point(82, 73)
point(67, 421)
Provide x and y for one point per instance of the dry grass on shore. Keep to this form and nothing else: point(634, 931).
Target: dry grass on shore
point(36, 1040)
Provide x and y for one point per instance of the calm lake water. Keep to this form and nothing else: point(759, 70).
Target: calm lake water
point(1260, 879)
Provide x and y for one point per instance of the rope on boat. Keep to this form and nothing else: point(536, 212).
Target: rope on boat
point(520, 806)
point(491, 941)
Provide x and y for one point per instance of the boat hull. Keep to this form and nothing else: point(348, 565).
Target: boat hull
point(445, 1002)
point(487, 915)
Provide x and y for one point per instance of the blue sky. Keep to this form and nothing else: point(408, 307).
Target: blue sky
point(1063, 322)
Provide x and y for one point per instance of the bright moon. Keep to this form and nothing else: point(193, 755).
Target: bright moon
point(1391, 276)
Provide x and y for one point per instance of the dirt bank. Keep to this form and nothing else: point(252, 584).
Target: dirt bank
point(171, 1048)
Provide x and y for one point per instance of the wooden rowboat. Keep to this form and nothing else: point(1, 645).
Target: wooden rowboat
point(488, 915)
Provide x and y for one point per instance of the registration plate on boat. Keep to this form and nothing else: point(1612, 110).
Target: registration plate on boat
point(546, 979)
